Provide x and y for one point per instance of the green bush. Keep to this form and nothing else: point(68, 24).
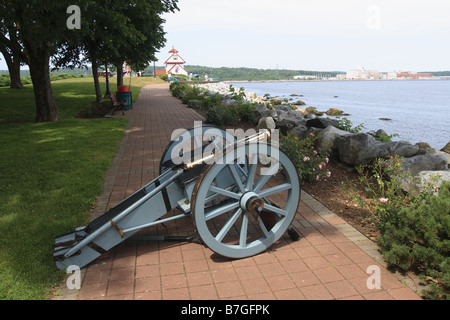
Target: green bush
point(309, 163)
point(382, 182)
point(419, 240)
point(179, 89)
point(194, 104)
point(221, 115)
point(346, 125)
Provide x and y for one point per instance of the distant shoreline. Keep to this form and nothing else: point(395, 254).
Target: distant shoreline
point(325, 80)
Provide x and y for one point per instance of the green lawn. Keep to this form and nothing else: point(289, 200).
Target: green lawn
point(50, 176)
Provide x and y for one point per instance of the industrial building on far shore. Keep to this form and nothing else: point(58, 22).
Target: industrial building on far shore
point(363, 74)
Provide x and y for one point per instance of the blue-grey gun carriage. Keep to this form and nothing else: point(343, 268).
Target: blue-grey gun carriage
point(242, 196)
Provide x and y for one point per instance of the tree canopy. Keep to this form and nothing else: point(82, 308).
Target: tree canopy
point(110, 32)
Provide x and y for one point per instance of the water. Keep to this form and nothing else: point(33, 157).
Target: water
point(419, 110)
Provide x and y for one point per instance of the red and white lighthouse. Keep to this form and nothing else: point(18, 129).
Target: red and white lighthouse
point(174, 65)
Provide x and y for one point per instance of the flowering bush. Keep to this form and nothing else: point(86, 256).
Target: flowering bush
point(309, 163)
point(382, 182)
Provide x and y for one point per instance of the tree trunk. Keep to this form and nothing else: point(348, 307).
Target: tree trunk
point(39, 63)
point(14, 75)
point(12, 52)
point(98, 93)
point(13, 68)
point(119, 75)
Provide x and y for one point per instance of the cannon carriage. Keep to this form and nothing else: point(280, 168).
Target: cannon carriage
point(241, 193)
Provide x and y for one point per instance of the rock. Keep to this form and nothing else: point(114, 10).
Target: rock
point(229, 102)
point(258, 113)
point(312, 110)
point(288, 120)
point(299, 103)
point(380, 149)
point(334, 112)
point(423, 147)
point(425, 162)
point(302, 111)
point(251, 95)
point(350, 145)
point(321, 122)
point(380, 133)
point(434, 151)
point(299, 131)
point(266, 123)
point(326, 137)
point(446, 148)
point(282, 108)
point(423, 179)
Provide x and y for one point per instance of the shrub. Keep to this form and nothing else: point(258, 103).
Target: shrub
point(382, 182)
point(346, 124)
point(194, 104)
point(419, 240)
point(309, 163)
point(221, 115)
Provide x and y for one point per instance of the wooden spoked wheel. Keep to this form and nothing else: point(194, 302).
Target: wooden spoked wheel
point(246, 200)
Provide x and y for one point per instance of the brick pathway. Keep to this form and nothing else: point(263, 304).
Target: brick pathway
point(330, 261)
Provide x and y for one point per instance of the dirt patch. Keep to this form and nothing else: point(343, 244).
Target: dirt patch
point(338, 193)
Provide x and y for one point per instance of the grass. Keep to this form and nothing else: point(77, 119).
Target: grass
point(50, 176)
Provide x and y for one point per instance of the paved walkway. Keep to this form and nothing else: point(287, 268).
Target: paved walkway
point(330, 261)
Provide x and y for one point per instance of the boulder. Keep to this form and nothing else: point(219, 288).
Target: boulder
point(380, 149)
point(427, 179)
point(299, 131)
point(326, 137)
point(251, 95)
point(425, 162)
point(423, 147)
point(288, 120)
point(446, 148)
point(266, 123)
point(334, 112)
point(257, 113)
point(434, 151)
point(229, 102)
point(283, 108)
point(350, 145)
point(321, 122)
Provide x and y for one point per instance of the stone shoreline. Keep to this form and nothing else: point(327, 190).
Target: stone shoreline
point(354, 149)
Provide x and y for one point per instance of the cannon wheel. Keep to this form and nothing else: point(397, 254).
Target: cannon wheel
point(195, 135)
point(257, 209)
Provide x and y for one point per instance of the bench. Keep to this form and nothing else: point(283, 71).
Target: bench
point(118, 105)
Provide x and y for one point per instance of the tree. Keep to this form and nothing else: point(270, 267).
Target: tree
point(105, 31)
point(41, 24)
point(147, 36)
point(11, 47)
point(12, 51)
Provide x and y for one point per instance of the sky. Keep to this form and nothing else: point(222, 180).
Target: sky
point(319, 35)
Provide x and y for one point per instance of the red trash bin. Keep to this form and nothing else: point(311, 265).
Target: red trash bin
point(123, 89)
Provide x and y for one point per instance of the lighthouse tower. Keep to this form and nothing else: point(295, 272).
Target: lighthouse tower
point(174, 65)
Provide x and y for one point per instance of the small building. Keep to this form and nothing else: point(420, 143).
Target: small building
point(174, 65)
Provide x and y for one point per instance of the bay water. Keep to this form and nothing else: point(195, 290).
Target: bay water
point(418, 110)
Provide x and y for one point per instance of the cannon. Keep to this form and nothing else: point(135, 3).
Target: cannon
point(241, 193)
